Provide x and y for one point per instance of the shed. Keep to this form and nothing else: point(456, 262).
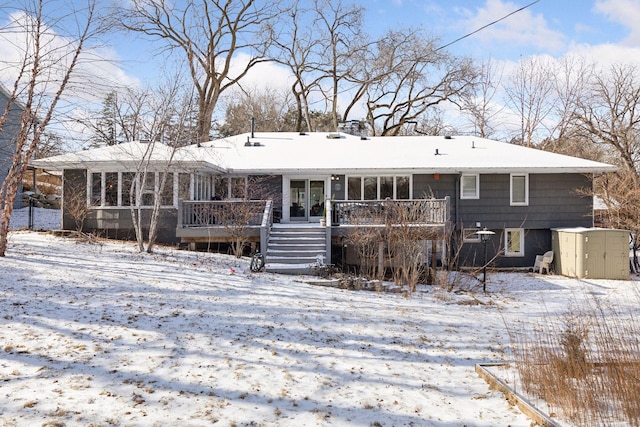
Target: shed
point(593, 253)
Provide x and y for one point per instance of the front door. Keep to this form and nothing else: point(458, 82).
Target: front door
point(306, 199)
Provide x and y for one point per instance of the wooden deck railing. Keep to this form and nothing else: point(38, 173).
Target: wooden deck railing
point(379, 212)
point(223, 213)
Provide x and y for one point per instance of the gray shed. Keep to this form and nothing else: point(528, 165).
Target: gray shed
point(591, 253)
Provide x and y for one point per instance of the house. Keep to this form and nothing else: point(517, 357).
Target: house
point(288, 182)
point(8, 134)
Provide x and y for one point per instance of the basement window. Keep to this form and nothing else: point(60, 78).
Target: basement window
point(514, 242)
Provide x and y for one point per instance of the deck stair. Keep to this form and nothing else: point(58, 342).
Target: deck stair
point(295, 249)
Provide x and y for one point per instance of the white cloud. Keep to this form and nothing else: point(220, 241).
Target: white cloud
point(267, 75)
point(624, 12)
point(96, 73)
point(606, 55)
point(520, 29)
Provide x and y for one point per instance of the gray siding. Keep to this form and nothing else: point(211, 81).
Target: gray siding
point(536, 242)
point(111, 222)
point(554, 201)
point(74, 187)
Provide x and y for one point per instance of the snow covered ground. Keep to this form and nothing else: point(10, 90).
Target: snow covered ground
point(97, 334)
point(43, 219)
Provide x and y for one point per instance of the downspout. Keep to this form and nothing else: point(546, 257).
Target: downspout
point(457, 194)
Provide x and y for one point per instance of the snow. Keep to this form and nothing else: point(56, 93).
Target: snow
point(98, 334)
point(43, 219)
point(316, 154)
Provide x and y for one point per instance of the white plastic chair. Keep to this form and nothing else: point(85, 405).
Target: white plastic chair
point(543, 262)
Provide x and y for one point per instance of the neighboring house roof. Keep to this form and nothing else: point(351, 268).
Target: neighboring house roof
point(318, 153)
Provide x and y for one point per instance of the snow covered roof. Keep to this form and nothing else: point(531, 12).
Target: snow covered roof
point(293, 153)
point(123, 157)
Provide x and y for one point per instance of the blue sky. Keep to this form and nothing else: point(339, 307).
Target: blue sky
point(602, 31)
point(548, 27)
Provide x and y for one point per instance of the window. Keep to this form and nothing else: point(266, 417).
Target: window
point(96, 189)
point(378, 187)
point(469, 235)
point(370, 188)
point(148, 189)
point(238, 188)
point(519, 189)
point(128, 188)
point(111, 189)
point(184, 185)
point(469, 187)
point(514, 242)
point(221, 189)
point(354, 188)
point(402, 188)
point(166, 198)
point(124, 188)
point(386, 187)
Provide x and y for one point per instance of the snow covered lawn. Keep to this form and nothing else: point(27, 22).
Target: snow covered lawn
point(101, 335)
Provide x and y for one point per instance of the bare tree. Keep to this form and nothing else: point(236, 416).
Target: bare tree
point(297, 48)
point(607, 119)
point(269, 109)
point(530, 93)
point(609, 115)
point(479, 103)
point(341, 36)
point(167, 123)
point(211, 35)
point(407, 78)
point(43, 75)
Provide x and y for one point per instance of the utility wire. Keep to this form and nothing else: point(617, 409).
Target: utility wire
point(488, 25)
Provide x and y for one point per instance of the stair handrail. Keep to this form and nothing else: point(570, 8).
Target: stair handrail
point(265, 226)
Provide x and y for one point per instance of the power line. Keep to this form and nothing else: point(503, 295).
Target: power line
point(488, 25)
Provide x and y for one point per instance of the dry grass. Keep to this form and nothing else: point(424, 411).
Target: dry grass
point(585, 364)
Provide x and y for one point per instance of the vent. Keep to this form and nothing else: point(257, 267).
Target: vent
point(437, 152)
point(334, 136)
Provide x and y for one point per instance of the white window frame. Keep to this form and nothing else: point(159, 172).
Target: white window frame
point(470, 235)
point(476, 194)
point(507, 233)
point(378, 184)
point(154, 191)
point(526, 189)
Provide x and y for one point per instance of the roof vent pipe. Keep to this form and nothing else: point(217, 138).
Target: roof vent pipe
point(248, 143)
point(437, 153)
point(253, 127)
point(473, 144)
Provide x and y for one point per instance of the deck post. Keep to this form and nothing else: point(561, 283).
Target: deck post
point(328, 224)
point(180, 206)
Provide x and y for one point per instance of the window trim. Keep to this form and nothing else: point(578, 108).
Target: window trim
point(93, 204)
point(470, 235)
point(362, 179)
point(476, 196)
point(526, 189)
point(508, 253)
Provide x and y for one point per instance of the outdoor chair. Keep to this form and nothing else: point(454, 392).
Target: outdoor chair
point(543, 262)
